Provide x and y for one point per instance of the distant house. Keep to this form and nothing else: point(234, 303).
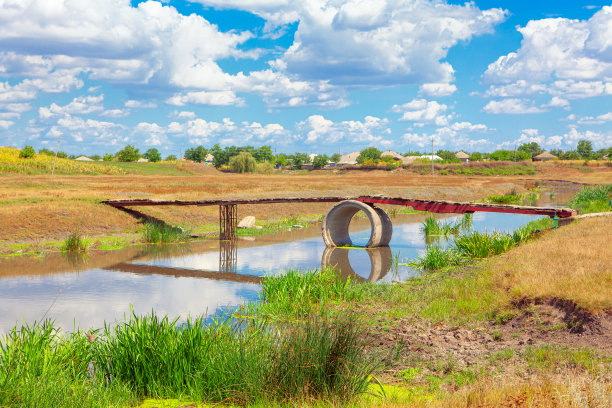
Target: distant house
point(544, 156)
point(429, 157)
point(350, 158)
point(83, 158)
point(307, 166)
point(142, 160)
point(210, 159)
point(464, 157)
point(312, 156)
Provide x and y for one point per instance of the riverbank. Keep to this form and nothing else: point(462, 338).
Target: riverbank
point(531, 326)
point(38, 212)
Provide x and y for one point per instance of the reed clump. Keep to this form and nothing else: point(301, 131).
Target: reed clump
point(160, 233)
point(74, 243)
point(219, 361)
point(479, 245)
point(432, 228)
point(593, 199)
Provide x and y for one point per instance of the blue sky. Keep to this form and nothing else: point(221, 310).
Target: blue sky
point(314, 76)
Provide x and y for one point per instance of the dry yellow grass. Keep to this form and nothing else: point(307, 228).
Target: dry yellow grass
point(575, 263)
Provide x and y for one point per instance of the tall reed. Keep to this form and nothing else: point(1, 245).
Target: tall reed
point(74, 243)
point(592, 199)
point(159, 233)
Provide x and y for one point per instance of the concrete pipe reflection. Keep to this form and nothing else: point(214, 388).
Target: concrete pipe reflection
point(335, 226)
point(380, 262)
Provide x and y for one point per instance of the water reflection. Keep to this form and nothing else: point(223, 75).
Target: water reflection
point(200, 277)
point(380, 258)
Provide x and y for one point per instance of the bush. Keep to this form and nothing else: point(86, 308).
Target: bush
point(27, 152)
point(243, 163)
point(152, 155)
point(196, 154)
point(370, 153)
point(264, 168)
point(170, 158)
point(107, 157)
point(128, 154)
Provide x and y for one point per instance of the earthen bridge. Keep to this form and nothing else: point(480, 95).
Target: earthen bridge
point(335, 227)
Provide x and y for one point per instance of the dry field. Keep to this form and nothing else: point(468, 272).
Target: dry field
point(42, 207)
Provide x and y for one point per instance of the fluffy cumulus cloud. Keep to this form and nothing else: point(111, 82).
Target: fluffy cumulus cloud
point(457, 135)
point(568, 58)
point(372, 130)
point(511, 106)
point(357, 42)
point(422, 110)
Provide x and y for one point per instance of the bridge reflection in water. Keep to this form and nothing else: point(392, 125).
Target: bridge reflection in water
point(380, 265)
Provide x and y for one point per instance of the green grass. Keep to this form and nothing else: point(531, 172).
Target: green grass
point(435, 230)
point(242, 360)
point(592, 199)
point(478, 245)
point(74, 243)
point(158, 233)
point(299, 293)
point(227, 361)
point(160, 169)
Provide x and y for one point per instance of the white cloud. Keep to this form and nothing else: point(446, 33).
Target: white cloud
point(422, 110)
point(81, 105)
point(597, 120)
point(5, 124)
point(576, 55)
point(437, 89)
point(557, 102)
point(318, 129)
point(578, 89)
point(220, 98)
point(360, 42)
point(116, 42)
point(140, 104)
point(518, 88)
point(511, 106)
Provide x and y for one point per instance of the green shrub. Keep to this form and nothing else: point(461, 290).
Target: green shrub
point(592, 199)
point(27, 152)
point(243, 162)
point(159, 233)
point(74, 242)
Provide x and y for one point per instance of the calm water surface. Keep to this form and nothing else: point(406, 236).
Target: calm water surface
point(198, 278)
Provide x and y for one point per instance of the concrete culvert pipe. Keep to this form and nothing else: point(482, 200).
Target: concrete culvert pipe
point(335, 228)
point(380, 262)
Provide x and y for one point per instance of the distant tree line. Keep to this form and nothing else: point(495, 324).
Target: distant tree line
point(247, 158)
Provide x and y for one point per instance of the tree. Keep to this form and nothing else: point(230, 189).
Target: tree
point(532, 149)
point(335, 157)
point(171, 158)
point(196, 154)
point(108, 157)
point(298, 159)
point(369, 153)
point(128, 154)
point(264, 153)
point(584, 148)
point(320, 161)
point(447, 156)
point(95, 157)
point(152, 155)
point(476, 156)
point(282, 160)
point(243, 162)
point(27, 152)
point(570, 155)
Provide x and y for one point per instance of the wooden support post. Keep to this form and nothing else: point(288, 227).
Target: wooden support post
point(228, 221)
point(228, 256)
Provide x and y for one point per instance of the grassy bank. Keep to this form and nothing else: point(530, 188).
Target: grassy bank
point(316, 340)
